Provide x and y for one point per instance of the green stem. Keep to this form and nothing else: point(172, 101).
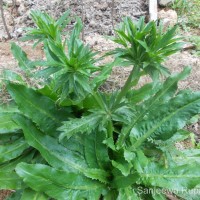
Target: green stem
point(110, 129)
point(134, 76)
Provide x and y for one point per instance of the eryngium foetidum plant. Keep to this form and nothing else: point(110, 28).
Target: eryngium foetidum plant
point(68, 140)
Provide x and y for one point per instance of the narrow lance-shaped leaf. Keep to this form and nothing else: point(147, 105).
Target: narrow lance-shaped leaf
point(56, 52)
point(178, 178)
point(172, 116)
point(7, 125)
point(104, 74)
point(59, 184)
point(63, 20)
point(75, 144)
point(74, 36)
point(166, 39)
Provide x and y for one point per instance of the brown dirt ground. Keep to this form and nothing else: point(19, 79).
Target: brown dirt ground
point(4, 194)
point(7, 60)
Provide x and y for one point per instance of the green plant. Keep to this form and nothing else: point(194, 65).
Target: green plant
point(193, 13)
point(69, 140)
point(188, 12)
point(47, 27)
point(180, 6)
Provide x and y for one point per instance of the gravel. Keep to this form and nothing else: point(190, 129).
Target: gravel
point(98, 15)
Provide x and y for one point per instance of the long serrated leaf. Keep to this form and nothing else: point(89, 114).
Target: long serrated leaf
point(41, 109)
point(172, 116)
point(97, 174)
point(179, 178)
point(73, 126)
point(59, 184)
point(167, 91)
point(96, 153)
point(24, 63)
point(188, 156)
point(54, 153)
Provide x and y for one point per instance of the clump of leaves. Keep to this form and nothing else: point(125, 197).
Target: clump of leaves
point(47, 27)
point(69, 140)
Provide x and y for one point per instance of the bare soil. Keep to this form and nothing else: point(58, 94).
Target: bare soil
point(4, 194)
point(7, 60)
point(97, 15)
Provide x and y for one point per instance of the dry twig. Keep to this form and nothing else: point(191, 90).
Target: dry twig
point(112, 14)
point(83, 19)
point(3, 19)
